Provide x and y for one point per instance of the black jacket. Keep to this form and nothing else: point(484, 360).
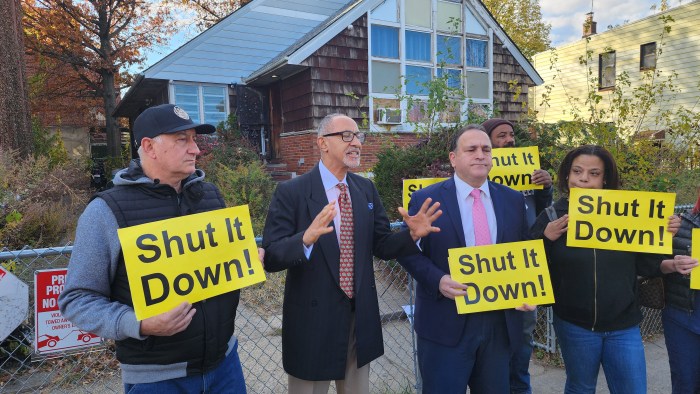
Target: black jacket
point(203, 345)
point(677, 286)
point(594, 288)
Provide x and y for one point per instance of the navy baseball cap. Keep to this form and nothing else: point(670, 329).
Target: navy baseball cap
point(166, 119)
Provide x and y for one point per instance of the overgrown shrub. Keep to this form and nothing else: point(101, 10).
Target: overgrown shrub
point(40, 201)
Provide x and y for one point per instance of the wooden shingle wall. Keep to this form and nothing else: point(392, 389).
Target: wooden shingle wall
point(506, 70)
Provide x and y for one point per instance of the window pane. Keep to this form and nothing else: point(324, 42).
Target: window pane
point(387, 11)
point(187, 98)
point(647, 59)
point(385, 77)
point(385, 41)
point(475, 54)
point(418, 46)
point(449, 17)
point(416, 79)
point(449, 50)
point(473, 24)
point(214, 104)
point(477, 85)
point(454, 77)
point(606, 72)
point(418, 13)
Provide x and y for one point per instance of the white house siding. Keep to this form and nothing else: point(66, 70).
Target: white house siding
point(681, 52)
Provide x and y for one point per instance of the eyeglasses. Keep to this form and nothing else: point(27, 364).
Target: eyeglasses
point(348, 135)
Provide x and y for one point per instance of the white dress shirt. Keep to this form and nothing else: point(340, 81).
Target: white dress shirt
point(465, 202)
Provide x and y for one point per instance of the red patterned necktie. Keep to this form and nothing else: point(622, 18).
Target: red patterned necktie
point(347, 243)
point(482, 235)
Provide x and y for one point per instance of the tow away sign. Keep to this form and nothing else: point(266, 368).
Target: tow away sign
point(54, 333)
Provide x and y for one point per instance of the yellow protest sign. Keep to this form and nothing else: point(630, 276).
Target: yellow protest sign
point(411, 185)
point(620, 220)
point(695, 253)
point(501, 276)
point(513, 167)
point(189, 258)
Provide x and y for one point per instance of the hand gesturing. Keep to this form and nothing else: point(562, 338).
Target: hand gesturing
point(421, 224)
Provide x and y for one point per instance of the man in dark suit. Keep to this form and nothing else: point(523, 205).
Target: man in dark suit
point(456, 351)
point(323, 227)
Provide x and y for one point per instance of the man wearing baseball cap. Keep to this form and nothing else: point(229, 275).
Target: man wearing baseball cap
point(190, 348)
point(502, 136)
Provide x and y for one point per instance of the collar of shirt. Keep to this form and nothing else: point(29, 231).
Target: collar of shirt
point(329, 180)
point(464, 189)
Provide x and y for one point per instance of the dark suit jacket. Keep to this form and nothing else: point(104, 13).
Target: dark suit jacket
point(436, 317)
point(317, 313)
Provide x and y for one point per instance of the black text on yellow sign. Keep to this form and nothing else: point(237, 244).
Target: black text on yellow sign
point(620, 220)
point(513, 167)
point(412, 185)
point(189, 258)
point(501, 276)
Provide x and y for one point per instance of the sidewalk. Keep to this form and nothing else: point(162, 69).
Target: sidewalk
point(550, 380)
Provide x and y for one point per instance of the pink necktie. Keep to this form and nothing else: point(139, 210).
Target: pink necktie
point(347, 243)
point(482, 235)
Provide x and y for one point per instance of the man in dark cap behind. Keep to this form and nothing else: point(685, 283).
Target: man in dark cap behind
point(190, 348)
point(502, 136)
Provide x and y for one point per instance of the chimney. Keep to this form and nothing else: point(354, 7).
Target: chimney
point(589, 26)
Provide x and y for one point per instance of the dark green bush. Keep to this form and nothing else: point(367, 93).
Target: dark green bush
point(246, 184)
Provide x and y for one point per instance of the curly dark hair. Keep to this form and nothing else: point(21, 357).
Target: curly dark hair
point(611, 177)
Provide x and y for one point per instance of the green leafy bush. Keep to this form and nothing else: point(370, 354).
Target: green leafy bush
point(246, 184)
point(232, 163)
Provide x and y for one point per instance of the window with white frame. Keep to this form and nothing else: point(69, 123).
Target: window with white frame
point(204, 103)
point(435, 38)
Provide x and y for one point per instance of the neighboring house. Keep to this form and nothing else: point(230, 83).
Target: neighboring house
point(56, 107)
point(635, 49)
point(281, 66)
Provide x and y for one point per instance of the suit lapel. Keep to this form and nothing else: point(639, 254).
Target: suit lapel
point(450, 207)
point(497, 199)
point(328, 243)
point(361, 217)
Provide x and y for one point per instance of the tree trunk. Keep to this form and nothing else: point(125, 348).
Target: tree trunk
point(15, 124)
point(114, 140)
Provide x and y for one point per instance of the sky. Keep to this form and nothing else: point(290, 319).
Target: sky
point(567, 16)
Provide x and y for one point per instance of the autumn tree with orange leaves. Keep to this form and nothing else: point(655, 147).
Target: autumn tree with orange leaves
point(98, 40)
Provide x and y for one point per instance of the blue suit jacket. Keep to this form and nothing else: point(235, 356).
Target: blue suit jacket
point(436, 317)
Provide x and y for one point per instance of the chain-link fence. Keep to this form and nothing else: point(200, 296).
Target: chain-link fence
point(258, 327)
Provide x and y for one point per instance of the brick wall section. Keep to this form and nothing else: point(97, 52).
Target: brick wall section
point(506, 68)
point(303, 145)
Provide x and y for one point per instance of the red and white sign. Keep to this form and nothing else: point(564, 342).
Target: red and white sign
point(54, 333)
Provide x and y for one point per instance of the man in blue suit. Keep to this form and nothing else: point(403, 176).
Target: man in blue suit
point(456, 351)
